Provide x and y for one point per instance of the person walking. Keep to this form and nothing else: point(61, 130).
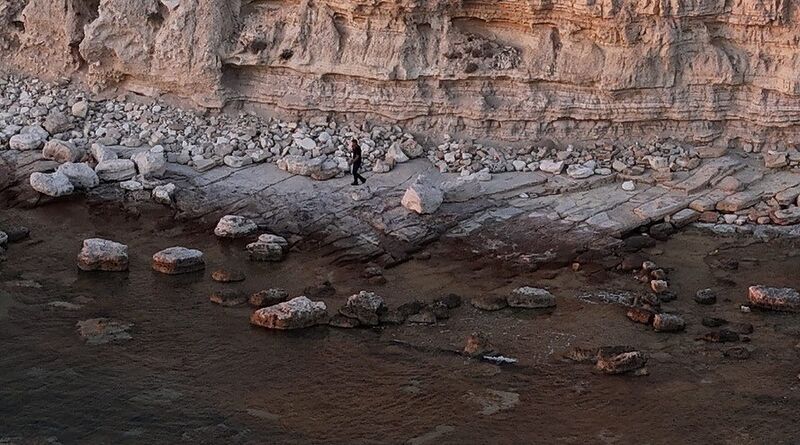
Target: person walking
point(356, 163)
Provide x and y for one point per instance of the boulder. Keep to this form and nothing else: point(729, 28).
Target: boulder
point(97, 331)
point(705, 296)
point(266, 251)
point(550, 166)
point(116, 170)
point(423, 196)
point(296, 313)
point(25, 142)
point(619, 359)
point(178, 260)
point(531, 298)
point(81, 175)
point(102, 254)
point(668, 323)
point(395, 154)
point(489, 302)
point(273, 239)
point(577, 171)
point(228, 297)
point(151, 163)
point(62, 151)
point(364, 306)
point(101, 153)
point(775, 298)
point(163, 194)
point(57, 122)
point(319, 168)
point(235, 226)
point(268, 297)
point(80, 109)
point(51, 184)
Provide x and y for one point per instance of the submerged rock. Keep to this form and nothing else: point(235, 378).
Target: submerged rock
point(425, 316)
point(364, 306)
point(98, 331)
point(531, 298)
point(105, 255)
point(340, 321)
point(178, 260)
point(774, 298)
point(296, 313)
point(227, 276)
point(268, 297)
point(228, 297)
point(619, 359)
point(235, 226)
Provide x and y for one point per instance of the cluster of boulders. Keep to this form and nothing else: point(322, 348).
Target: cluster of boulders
point(525, 297)
point(579, 163)
point(647, 309)
point(67, 125)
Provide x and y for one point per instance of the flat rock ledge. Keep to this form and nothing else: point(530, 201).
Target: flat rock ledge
point(102, 254)
point(297, 313)
point(178, 260)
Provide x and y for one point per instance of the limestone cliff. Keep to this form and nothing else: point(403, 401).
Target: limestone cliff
point(722, 72)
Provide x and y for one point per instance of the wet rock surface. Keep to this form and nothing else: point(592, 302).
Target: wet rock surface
point(105, 255)
point(178, 260)
point(297, 313)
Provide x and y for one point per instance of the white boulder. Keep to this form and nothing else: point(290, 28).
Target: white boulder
point(51, 184)
point(81, 175)
point(423, 196)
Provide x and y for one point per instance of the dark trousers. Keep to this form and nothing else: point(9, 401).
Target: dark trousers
point(356, 176)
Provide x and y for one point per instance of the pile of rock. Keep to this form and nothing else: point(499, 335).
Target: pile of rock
point(466, 156)
point(525, 297)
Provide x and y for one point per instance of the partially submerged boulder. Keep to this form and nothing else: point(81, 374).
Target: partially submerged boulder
point(423, 196)
point(97, 331)
point(178, 260)
point(235, 226)
point(775, 298)
point(51, 184)
point(296, 313)
point(102, 254)
point(668, 323)
point(268, 297)
point(489, 302)
point(227, 276)
point(531, 298)
point(364, 306)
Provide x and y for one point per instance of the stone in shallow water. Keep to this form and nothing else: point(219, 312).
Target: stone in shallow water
point(668, 323)
point(619, 359)
point(775, 298)
point(364, 306)
point(178, 260)
point(531, 298)
point(275, 239)
point(340, 321)
point(97, 331)
point(228, 297)
point(227, 276)
point(268, 297)
point(102, 254)
point(296, 313)
point(235, 226)
point(705, 296)
point(51, 184)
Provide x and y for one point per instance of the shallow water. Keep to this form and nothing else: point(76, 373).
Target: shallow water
point(198, 373)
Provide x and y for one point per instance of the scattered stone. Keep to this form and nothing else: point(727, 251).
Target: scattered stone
point(57, 122)
point(406, 310)
point(234, 226)
point(297, 313)
point(668, 323)
point(659, 286)
point(628, 186)
point(662, 231)
point(705, 296)
point(80, 175)
point(116, 170)
point(340, 321)
point(775, 159)
point(479, 345)
point(274, 239)
point(105, 255)
point(268, 297)
point(576, 171)
point(26, 142)
point(774, 298)
point(451, 301)
point(227, 276)
point(531, 298)
point(265, 251)
point(786, 217)
point(62, 151)
point(581, 355)
point(131, 185)
point(228, 297)
point(721, 336)
point(319, 168)
point(364, 306)
point(684, 218)
point(550, 166)
point(640, 315)
point(97, 331)
point(51, 184)
point(80, 109)
point(178, 260)
point(489, 302)
point(320, 291)
point(422, 196)
point(101, 153)
point(619, 360)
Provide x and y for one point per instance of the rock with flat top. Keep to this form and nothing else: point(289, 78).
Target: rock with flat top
point(116, 170)
point(296, 313)
point(163, 194)
point(775, 298)
point(51, 184)
point(104, 255)
point(178, 260)
point(550, 166)
point(786, 217)
point(101, 153)
point(266, 251)
point(26, 142)
point(268, 297)
point(668, 323)
point(235, 226)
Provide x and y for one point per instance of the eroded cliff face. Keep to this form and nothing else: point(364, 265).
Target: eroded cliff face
point(722, 72)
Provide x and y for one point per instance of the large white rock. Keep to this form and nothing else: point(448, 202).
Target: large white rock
point(422, 196)
point(101, 153)
point(235, 226)
point(151, 163)
point(25, 142)
point(296, 313)
point(81, 175)
point(319, 168)
point(51, 184)
point(116, 170)
point(549, 166)
point(61, 151)
point(395, 154)
point(577, 171)
point(101, 254)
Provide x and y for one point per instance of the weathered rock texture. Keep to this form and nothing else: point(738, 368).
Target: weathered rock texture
point(707, 71)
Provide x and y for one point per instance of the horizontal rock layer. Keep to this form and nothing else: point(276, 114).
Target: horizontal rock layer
point(704, 71)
